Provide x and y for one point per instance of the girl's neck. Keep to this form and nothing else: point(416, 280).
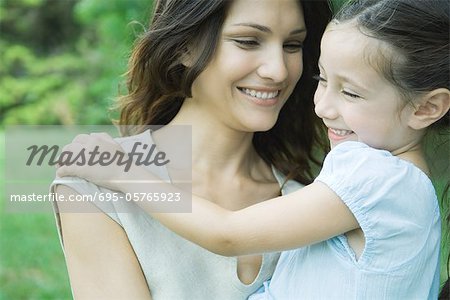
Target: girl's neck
point(416, 156)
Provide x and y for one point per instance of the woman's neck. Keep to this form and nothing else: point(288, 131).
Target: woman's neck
point(225, 166)
point(216, 146)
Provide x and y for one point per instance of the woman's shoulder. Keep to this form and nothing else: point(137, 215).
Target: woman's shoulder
point(138, 141)
point(141, 142)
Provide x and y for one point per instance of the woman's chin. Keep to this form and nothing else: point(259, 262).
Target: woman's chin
point(262, 128)
point(260, 124)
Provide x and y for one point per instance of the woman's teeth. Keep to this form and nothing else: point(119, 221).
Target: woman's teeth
point(341, 132)
point(260, 95)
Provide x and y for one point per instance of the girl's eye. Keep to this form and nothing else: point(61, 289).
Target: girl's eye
point(246, 43)
point(293, 47)
point(350, 94)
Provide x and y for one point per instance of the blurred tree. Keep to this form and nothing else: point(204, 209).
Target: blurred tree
point(61, 60)
point(46, 26)
point(110, 29)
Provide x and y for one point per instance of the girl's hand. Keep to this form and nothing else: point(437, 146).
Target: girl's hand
point(97, 158)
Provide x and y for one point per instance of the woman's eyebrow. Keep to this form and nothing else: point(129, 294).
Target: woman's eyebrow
point(267, 29)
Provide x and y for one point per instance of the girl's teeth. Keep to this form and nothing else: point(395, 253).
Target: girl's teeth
point(261, 95)
point(341, 132)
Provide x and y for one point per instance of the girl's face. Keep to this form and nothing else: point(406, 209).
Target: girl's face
point(257, 64)
point(355, 102)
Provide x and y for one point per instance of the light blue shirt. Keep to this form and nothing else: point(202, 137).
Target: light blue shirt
point(397, 209)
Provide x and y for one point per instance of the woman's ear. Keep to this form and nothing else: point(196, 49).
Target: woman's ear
point(431, 107)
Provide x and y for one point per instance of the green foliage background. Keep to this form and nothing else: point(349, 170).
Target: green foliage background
point(60, 63)
point(61, 60)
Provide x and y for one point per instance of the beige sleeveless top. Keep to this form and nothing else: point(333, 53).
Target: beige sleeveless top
point(175, 268)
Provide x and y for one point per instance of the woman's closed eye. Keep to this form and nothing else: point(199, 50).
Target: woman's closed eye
point(292, 47)
point(246, 43)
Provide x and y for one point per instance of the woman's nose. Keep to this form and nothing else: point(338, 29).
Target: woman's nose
point(274, 65)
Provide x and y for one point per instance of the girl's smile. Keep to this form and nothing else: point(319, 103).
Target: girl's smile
point(339, 135)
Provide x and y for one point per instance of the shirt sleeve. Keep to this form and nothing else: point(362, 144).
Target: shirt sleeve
point(89, 192)
point(393, 201)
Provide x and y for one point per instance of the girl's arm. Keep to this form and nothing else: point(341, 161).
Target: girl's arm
point(309, 215)
point(99, 257)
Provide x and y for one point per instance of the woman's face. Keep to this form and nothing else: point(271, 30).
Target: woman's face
point(257, 64)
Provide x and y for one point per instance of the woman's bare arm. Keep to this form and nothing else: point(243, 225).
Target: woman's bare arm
point(99, 257)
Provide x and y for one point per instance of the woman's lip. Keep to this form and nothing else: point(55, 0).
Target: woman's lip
point(266, 89)
point(260, 101)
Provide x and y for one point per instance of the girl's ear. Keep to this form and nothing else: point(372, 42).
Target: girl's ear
point(431, 107)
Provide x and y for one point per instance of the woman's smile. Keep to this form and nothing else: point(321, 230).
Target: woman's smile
point(261, 96)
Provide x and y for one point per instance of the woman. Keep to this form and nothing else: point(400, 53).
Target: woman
point(233, 71)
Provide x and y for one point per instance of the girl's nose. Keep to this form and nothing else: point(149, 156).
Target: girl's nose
point(325, 106)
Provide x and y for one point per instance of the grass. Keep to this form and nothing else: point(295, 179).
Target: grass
point(31, 260)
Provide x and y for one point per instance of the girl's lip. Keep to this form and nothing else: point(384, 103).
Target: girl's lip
point(338, 134)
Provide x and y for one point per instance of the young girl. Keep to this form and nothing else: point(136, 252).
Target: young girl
point(369, 226)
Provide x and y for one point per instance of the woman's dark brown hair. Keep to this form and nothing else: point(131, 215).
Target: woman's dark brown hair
point(158, 83)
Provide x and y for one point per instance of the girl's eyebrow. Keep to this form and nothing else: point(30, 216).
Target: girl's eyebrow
point(267, 29)
point(359, 85)
point(348, 79)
